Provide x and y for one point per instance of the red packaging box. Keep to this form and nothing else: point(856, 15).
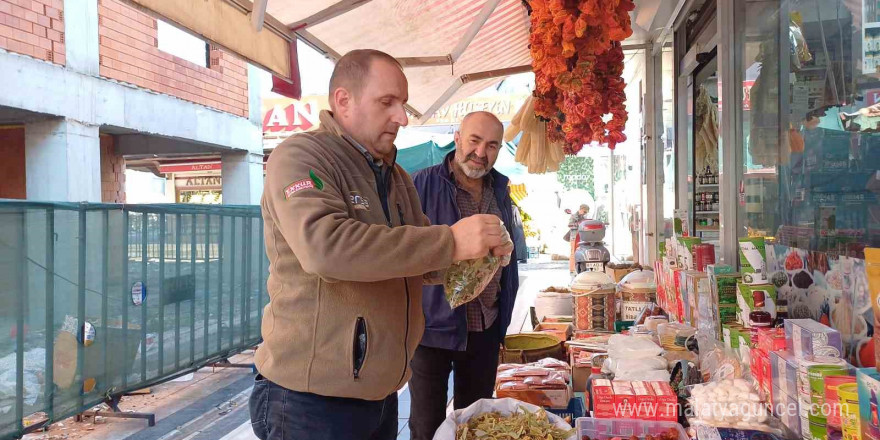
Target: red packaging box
point(755, 365)
point(603, 399)
point(646, 401)
point(771, 339)
point(667, 402)
point(624, 399)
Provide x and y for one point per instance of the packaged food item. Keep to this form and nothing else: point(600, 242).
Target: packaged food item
point(805, 337)
point(804, 365)
point(636, 291)
point(594, 301)
point(646, 400)
point(466, 280)
point(872, 262)
point(624, 399)
point(868, 384)
point(603, 399)
point(849, 411)
point(685, 252)
point(757, 304)
point(727, 404)
point(771, 339)
point(817, 430)
point(753, 260)
point(667, 401)
point(832, 400)
point(817, 375)
point(784, 371)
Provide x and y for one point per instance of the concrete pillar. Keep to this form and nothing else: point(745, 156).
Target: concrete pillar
point(81, 36)
point(63, 161)
point(255, 93)
point(242, 178)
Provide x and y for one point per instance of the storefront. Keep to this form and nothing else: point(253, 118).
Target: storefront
point(797, 162)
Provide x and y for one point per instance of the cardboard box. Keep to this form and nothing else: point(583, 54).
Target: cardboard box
point(624, 399)
point(561, 330)
point(771, 339)
point(784, 373)
point(667, 402)
point(805, 337)
point(603, 399)
point(579, 376)
point(745, 299)
point(556, 399)
point(617, 274)
point(868, 380)
point(646, 401)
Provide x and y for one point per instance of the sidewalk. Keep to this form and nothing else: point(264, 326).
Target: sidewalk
point(214, 403)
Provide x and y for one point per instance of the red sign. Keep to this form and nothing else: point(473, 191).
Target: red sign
point(747, 95)
point(190, 167)
point(289, 116)
point(872, 96)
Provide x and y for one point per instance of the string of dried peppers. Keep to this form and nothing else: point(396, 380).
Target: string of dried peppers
point(578, 60)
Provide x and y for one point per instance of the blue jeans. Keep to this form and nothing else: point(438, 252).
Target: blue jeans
point(281, 414)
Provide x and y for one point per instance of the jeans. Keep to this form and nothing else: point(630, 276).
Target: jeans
point(474, 373)
point(281, 414)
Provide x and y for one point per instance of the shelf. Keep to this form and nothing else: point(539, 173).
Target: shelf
point(707, 229)
point(712, 185)
point(706, 213)
point(874, 25)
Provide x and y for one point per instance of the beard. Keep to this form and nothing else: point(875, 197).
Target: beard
point(471, 172)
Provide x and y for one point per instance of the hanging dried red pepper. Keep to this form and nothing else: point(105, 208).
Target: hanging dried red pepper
point(578, 60)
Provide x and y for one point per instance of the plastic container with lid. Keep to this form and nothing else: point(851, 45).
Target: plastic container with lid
point(594, 301)
point(653, 322)
point(848, 394)
point(674, 336)
point(636, 291)
point(606, 429)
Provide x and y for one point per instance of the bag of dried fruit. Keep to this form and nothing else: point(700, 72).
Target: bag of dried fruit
point(503, 418)
point(466, 280)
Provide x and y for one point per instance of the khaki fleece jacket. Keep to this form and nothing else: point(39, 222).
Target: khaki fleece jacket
point(345, 281)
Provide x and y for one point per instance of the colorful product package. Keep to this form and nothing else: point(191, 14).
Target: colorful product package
point(646, 401)
point(784, 373)
point(771, 339)
point(624, 399)
point(753, 260)
point(868, 380)
point(749, 298)
point(806, 337)
point(685, 253)
point(872, 263)
point(603, 399)
point(832, 400)
point(667, 402)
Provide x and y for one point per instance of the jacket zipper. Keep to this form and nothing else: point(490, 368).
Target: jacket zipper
point(406, 332)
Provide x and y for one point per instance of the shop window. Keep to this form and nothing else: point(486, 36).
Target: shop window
point(182, 44)
point(812, 146)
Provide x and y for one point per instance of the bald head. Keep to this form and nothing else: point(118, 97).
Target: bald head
point(352, 71)
point(477, 143)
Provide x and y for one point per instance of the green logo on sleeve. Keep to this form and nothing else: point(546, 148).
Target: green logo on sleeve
point(319, 184)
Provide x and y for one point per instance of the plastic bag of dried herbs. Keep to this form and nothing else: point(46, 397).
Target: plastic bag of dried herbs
point(466, 280)
point(503, 419)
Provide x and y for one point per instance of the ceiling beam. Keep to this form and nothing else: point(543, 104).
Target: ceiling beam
point(328, 14)
point(474, 28)
point(669, 25)
point(258, 15)
point(466, 78)
point(445, 60)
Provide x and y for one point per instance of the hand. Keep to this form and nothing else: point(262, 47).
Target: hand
point(504, 252)
point(476, 235)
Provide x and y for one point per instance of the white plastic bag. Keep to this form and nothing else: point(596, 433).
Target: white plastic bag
point(631, 347)
point(647, 376)
point(504, 406)
point(629, 366)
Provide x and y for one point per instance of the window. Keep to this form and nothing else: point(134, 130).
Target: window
point(182, 44)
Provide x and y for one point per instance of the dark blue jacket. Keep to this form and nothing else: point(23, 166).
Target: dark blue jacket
point(444, 327)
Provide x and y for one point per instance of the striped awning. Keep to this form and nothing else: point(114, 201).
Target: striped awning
point(450, 48)
point(518, 193)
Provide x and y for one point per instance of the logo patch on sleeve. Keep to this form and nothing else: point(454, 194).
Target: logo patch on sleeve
point(296, 187)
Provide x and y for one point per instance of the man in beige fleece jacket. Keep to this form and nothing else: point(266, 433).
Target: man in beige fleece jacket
point(349, 249)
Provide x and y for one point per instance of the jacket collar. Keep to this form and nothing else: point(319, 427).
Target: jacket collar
point(329, 124)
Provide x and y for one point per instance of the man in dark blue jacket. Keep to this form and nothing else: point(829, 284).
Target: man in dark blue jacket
point(466, 340)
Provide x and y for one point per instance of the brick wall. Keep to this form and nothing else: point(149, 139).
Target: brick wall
point(112, 172)
point(129, 53)
point(34, 28)
point(13, 183)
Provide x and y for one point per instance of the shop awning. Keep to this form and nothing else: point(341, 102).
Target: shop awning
point(450, 48)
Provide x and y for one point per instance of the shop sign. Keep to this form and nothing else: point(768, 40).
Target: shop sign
point(190, 168)
point(504, 107)
point(292, 116)
point(199, 182)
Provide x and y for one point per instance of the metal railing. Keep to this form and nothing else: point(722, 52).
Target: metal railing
point(98, 300)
